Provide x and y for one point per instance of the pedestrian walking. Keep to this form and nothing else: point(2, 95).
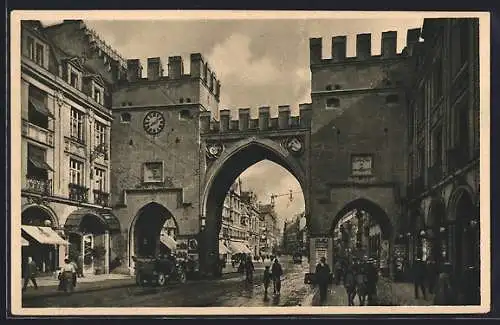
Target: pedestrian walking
point(372, 279)
point(322, 278)
point(419, 277)
point(361, 283)
point(338, 271)
point(80, 266)
point(445, 293)
point(277, 272)
point(432, 275)
point(249, 268)
point(267, 279)
point(68, 274)
point(350, 284)
point(30, 273)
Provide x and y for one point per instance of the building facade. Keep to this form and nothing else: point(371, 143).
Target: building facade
point(269, 238)
point(443, 149)
point(66, 119)
point(239, 232)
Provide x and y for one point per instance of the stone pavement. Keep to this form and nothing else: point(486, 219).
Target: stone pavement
point(47, 286)
point(399, 294)
point(388, 294)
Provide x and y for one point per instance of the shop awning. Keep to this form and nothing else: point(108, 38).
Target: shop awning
point(24, 242)
point(108, 220)
point(40, 107)
point(168, 241)
point(238, 248)
point(44, 235)
point(36, 156)
point(223, 249)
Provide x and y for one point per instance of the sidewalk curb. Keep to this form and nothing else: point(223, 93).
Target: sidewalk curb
point(56, 293)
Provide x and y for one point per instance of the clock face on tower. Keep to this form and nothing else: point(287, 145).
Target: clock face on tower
point(154, 122)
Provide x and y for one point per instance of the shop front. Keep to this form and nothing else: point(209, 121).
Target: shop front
point(41, 240)
point(44, 245)
point(90, 234)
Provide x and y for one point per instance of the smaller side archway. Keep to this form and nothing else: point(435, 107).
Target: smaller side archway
point(464, 241)
point(436, 231)
point(91, 236)
point(146, 230)
point(39, 215)
point(363, 228)
point(46, 256)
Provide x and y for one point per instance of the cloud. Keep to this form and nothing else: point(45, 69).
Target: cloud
point(233, 60)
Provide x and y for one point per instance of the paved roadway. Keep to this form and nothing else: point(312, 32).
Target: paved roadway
point(231, 290)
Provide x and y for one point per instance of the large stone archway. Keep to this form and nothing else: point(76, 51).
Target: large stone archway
point(223, 172)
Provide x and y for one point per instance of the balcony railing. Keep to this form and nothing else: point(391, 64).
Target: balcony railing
point(101, 198)
point(457, 158)
point(40, 186)
point(37, 133)
point(78, 193)
point(435, 173)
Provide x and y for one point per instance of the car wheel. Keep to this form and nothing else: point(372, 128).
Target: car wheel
point(182, 276)
point(161, 280)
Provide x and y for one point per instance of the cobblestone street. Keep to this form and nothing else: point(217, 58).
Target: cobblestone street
point(232, 291)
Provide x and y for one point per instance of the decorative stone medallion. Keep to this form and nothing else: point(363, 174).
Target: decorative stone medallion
point(294, 145)
point(214, 150)
point(59, 98)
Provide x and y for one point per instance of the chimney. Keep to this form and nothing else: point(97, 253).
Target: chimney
point(175, 67)
point(339, 48)
point(134, 70)
point(389, 44)
point(155, 69)
point(315, 50)
point(363, 46)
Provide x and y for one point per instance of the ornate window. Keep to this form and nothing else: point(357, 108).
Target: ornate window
point(100, 133)
point(77, 125)
point(76, 172)
point(100, 179)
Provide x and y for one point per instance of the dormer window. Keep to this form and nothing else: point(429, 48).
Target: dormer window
point(97, 93)
point(74, 77)
point(36, 51)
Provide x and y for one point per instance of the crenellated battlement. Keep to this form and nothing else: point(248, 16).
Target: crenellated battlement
point(175, 71)
point(363, 47)
point(264, 122)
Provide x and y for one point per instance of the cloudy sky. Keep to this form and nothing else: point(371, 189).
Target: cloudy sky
point(259, 62)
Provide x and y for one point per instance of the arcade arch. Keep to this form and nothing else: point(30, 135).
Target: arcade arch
point(146, 230)
point(362, 229)
point(45, 256)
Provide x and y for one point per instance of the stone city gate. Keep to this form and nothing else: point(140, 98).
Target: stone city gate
point(231, 146)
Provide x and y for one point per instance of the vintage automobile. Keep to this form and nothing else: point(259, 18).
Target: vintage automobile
point(159, 270)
